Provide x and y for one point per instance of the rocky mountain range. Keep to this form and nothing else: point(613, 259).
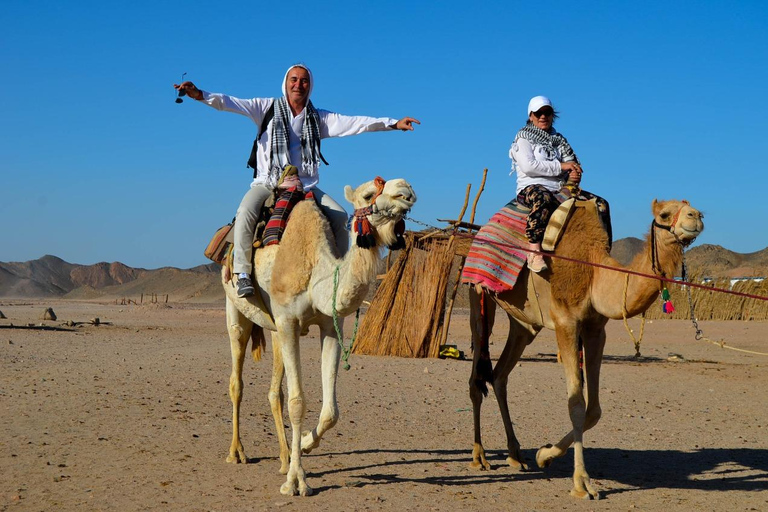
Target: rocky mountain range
point(52, 277)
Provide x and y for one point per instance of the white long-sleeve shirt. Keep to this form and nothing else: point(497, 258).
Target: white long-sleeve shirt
point(331, 125)
point(535, 165)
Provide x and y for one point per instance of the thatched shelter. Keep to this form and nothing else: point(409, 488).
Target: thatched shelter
point(410, 313)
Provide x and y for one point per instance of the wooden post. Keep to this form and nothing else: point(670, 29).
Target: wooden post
point(449, 312)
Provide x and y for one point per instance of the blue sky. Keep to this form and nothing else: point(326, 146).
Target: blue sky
point(97, 163)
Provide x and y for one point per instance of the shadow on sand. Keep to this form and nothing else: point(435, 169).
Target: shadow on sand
point(721, 469)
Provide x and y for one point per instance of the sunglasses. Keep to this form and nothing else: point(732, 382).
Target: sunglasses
point(181, 93)
point(544, 112)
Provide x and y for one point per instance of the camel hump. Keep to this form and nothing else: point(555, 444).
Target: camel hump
point(306, 236)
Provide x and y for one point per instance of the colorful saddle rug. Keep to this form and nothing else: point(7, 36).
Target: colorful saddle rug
point(284, 205)
point(495, 260)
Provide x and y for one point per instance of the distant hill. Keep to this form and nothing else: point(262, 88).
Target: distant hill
point(704, 260)
point(50, 276)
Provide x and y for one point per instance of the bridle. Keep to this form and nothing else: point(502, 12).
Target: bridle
point(671, 228)
point(362, 226)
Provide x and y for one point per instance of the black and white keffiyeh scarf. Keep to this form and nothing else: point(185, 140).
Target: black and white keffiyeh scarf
point(551, 140)
point(310, 141)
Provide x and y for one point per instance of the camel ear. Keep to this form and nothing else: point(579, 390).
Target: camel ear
point(655, 207)
point(349, 194)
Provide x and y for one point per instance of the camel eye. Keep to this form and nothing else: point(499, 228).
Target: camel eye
point(368, 196)
point(664, 215)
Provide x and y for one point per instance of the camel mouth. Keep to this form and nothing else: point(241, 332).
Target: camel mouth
point(687, 236)
point(401, 201)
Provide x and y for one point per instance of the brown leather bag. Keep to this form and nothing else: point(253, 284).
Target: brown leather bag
point(219, 244)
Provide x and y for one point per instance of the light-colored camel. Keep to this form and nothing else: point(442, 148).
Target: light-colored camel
point(295, 281)
point(576, 300)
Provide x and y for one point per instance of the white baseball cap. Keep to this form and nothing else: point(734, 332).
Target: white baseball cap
point(537, 102)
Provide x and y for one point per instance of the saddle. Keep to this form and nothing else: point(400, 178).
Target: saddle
point(272, 220)
point(496, 259)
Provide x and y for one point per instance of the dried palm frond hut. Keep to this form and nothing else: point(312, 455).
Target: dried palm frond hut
point(410, 313)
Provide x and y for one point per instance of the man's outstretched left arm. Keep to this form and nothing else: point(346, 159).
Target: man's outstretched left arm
point(339, 125)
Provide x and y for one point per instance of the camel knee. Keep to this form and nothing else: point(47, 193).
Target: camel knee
point(296, 408)
point(593, 416)
point(329, 421)
point(577, 410)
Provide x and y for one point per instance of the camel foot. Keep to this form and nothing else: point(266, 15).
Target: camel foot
point(516, 464)
point(583, 488)
point(478, 458)
point(291, 489)
point(309, 441)
point(284, 465)
point(481, 465)
point(237, 456)
point(543, 457)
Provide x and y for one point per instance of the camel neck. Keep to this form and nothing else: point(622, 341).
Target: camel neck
point(357, 271)
point(612, 291)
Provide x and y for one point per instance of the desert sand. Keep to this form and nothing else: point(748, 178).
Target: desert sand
point(134, 414)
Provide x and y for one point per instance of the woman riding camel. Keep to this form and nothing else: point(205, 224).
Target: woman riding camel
point(291, 137)
point(545, 162)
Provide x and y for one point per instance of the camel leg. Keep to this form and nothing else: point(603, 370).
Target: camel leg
point(239, 328)
point(329, 415)
point(567, 341)
point(289, 333)
point(277, 400)
point(519, 337)
point(481, 319)
point(594, 343)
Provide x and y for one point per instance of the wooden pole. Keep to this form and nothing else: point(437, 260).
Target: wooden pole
point(449, 312)
point(443, 334)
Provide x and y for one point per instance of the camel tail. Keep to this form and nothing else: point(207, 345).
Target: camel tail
point(483, 373)
point(258, 343)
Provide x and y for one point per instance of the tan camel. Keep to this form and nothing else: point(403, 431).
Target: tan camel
point(296, 281)
point(576, 301)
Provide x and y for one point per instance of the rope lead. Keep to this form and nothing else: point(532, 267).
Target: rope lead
point(345, 351)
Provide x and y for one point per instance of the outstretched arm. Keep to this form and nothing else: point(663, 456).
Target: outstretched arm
point(339, 125)
point(253, 108)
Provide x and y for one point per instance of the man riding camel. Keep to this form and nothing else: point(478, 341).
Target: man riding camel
point(291, 137)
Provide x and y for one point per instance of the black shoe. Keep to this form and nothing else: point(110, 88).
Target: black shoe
point(245, 287)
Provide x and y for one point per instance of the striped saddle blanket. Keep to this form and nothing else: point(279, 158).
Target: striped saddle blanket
point(495, 260)
point(496, 255)
point(278, 220)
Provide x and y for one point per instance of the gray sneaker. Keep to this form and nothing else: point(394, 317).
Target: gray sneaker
point(245, 287)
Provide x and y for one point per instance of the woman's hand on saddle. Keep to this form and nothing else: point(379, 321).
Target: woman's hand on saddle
point(406, 124)
point(189, 89)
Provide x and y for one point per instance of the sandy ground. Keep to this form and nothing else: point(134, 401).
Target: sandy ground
point(135, 416)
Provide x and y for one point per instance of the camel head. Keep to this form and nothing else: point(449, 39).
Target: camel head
point(379, 210)
point(679, 218)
